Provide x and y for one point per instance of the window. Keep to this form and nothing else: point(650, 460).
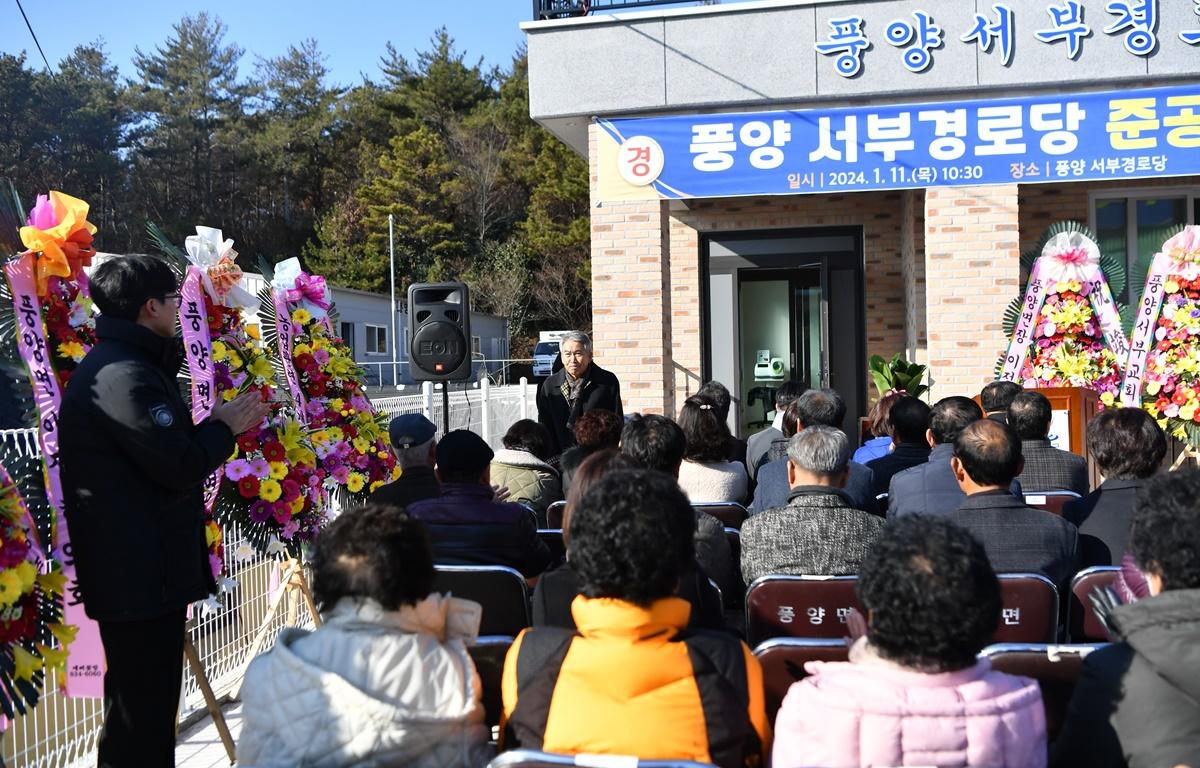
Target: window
point(376, 340)
point(347, 334)
point(1132, 225)
point(476, 347)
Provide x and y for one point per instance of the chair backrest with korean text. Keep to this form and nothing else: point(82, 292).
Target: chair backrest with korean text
point(1055, 667)
point(1082, 624)
point(529, 758)
point(1030, 609)
point(730, 514)
point(1050, 501)
point(783, 660)
point(799, 606)
point(501, 591)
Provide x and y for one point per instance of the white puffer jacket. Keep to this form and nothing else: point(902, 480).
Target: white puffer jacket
point(369, 688)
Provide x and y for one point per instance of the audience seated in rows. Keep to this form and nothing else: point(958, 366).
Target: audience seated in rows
point(931, 488)
point(522, 468)
point(632, 679)
point(1046, 468)
point(707, 474)
point(719, 394)
point(386, 679)
point(557, 589)
point(996, 397)
point(760, 442)
point(879, 422)
point(413, 438)
point(818, 532)
point(655, 442)
point(594, 431)
point(467, 525)
point(823, 407)
point(1138, 701)
point(909, 418)
point(913, 692)
point(1017, 538)
point(1129, 447)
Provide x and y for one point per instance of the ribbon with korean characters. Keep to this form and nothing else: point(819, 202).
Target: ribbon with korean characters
point(1068, 256)
point(197, 347)
point(286, 332)
point(1179, 256)
point(85, 661)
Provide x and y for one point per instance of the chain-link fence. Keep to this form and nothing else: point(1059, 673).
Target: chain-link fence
point(61, 732)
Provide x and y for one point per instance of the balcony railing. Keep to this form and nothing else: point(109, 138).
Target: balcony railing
point(562, 9)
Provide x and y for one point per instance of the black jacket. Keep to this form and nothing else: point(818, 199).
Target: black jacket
point(905, 456)
point(468, 527)
point(414, 484)
point(133, 465)
point(1020, 539)
point(1137, 702)
point(601, 390)
point(1104, 518)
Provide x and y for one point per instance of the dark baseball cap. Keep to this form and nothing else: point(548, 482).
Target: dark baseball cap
point(411, 429)
point(462, 452)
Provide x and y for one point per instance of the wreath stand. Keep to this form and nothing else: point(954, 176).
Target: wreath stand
point(293, 585)
point(210, 700)
point(1188, 452)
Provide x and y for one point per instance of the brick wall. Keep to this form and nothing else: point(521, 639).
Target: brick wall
point(972, 247)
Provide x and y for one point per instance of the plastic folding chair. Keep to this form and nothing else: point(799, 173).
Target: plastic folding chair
point(488, 653)
point(799, 606)
point(1050, 501)
point(783, 660)
point(1082, 624)
point(501, 591)
point(1055, 667)
point(553, 539)
point(730, 514)
point(554, 514)
point(1030, 609)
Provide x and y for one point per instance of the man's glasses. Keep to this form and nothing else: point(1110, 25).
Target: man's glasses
point(174, 297)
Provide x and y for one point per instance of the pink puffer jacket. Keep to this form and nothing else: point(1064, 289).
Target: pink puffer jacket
point(880, 714)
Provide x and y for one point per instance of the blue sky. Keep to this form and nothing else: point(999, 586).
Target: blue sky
point(352, 35)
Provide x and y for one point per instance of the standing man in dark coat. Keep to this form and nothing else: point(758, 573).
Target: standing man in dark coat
point(579, 387)
point(133, 465)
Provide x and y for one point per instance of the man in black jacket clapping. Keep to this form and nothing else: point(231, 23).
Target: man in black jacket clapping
point(133, 465)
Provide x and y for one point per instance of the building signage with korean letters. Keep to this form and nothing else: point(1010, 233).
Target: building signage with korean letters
point(1108, 135)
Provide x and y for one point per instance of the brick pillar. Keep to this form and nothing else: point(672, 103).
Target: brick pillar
point(972, 268)
point(631, 301)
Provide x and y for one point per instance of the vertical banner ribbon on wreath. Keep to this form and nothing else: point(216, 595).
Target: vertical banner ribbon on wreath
point(85, 660)
point(197, 347)
point(287, 339)
point(1178, 257)
point(1068, 256)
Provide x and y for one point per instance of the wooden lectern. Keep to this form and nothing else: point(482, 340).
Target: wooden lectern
point(1073, 408)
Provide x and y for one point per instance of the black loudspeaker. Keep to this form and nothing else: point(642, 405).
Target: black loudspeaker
point(439, 332)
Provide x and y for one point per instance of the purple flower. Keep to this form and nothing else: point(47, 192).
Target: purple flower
point(321, 356)
point(260, 468)
point(315, 407)
point(237, 469)
point(341, 474)
point(214, 563)
point(290, 529)
point(260, 511)
point(281, 512)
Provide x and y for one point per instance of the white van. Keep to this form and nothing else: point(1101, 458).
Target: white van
point(546, 352)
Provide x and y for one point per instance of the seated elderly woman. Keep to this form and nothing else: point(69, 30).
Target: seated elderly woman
point(386, 680)
point(913, 692)
point(522, 467)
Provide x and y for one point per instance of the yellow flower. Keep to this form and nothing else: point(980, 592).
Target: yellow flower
point(10, 587)
point(301, 349)
point(301, 317)
point(235, 361)
point(1108, 399)
point(71, 349)
point(1152, 387)
point(279, 470)
point(337, 404)
point(269, 490)
point(291, 435)
point(297, 505)
point(212, 534)
point(25, 662)
point(253, 331)
point(219, 351)
point(355, 482)
point(336, 434)
point(27, 573)
point(55, 658)
point(375, 485)
point(396, 472)
point(1186, 412)
point(260, 368)
point(229, 394)
point(320, 436)
point(64, 633)
point(302, 456)
point(53, 582)
point(1171, 286)
point(361, 445)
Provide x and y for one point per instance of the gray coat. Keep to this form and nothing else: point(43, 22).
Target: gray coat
point(817, 534)
point(1051, 469)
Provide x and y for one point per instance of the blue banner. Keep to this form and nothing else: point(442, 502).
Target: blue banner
point(1127, 134)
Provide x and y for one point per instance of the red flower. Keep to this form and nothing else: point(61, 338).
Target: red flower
point(316, 388)
point(273, 451)
point(248, 487)
point(304, 360)
point(247, 443)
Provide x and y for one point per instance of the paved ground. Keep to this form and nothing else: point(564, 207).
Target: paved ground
point(200, 747)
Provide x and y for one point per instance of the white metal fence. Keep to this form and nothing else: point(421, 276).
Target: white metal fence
point(61, 732)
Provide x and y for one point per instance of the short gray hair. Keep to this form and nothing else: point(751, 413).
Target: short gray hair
point(820, 449)
point(414, 455)
point(577, 336)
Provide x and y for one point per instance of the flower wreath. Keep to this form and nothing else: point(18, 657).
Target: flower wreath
point(1066, 330)
point(350, 438)
point(1163, 371)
